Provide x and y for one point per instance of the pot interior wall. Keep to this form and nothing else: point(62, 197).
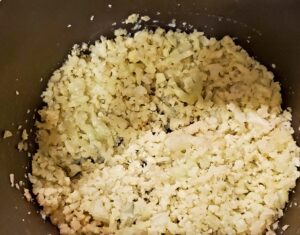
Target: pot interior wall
point(35, 39)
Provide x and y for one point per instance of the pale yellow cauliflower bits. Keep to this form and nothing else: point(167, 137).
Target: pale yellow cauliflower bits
point(163, 133)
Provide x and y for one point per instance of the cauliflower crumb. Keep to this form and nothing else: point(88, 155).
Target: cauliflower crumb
point(109, 6)
point(24, 135)
point(7, 134)
point(173, 23)
point(12, 180)
point(275, 225)
point(27, 195)
point(120, 32)
point(163, 132)
point(43, 215)
point(285, 227)
point(22, 146)
point(92, 17)
point(132, 19)
point(145, 18)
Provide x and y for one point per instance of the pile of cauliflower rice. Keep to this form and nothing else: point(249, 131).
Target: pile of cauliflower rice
point(163, 132)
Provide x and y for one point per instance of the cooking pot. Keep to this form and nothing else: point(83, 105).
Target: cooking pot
point(36, 36)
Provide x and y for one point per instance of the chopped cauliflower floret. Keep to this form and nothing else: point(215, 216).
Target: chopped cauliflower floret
point(133, 18)
point(7, 134)
point(162, 132)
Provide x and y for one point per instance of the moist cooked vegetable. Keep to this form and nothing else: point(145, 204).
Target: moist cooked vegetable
point(163, 132)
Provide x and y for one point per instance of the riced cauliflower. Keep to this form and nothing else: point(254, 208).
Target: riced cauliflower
point(7, 134)
point(163, 132)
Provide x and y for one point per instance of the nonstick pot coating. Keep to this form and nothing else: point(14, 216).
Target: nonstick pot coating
point(35, 39)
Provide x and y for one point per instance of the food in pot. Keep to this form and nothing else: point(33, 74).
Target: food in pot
point(163, 132)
